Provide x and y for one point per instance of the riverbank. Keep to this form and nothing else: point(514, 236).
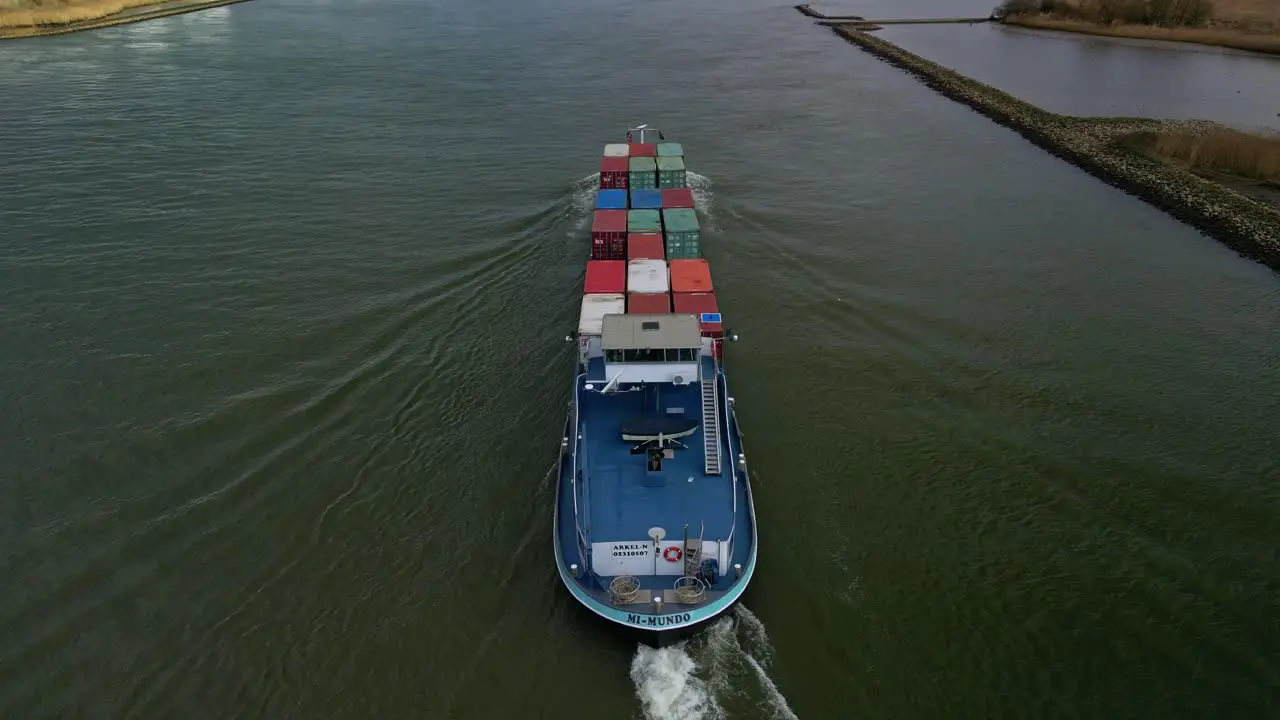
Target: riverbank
point(1103, 147)
point(72, 17)
point(1216, 36)
point(1248, 164)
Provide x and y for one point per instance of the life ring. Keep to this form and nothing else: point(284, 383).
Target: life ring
point(672, 554)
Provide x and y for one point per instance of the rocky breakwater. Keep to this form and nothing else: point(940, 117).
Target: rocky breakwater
point(1097, 145)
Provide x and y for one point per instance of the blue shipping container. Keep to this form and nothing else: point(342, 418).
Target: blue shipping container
point(611, 200)
point(646, 199)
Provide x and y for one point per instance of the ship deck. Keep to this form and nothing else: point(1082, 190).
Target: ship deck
point(623, 499)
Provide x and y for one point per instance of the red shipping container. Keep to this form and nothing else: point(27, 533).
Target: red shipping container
point(643, 149)
point(645, 246)
point(615, 173)
point(690, 276)
point(606, 276)
point(648, 303)
point(698, 303)
point(609, 248)
point(608, 225)
point(677, 198)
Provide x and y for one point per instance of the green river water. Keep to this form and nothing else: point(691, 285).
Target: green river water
point(284, 290)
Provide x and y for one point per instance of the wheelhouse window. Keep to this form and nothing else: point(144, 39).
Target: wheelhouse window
point(651, 355)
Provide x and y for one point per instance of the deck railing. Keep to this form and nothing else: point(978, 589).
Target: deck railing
point(733, 456)
point(577, 519)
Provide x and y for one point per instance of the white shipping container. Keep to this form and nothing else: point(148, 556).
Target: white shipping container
point(617, 150)
point(595, 306)
point(647, 276)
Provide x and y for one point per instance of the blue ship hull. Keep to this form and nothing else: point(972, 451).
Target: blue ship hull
point(654, 522)
point(606, 495)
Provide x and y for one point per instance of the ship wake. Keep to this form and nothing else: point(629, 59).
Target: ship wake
point(721, 673)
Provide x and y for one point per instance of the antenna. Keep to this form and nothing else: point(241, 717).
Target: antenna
point(656, 534)
point(642, 129)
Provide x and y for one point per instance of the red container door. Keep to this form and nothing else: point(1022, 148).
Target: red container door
point(615, 181)
point(615, 173)
point(608, 248)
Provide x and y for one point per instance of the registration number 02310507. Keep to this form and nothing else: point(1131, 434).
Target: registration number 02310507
point(632, 550)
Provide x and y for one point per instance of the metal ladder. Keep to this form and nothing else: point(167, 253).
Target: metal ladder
point(693, 551)
point(710, 427)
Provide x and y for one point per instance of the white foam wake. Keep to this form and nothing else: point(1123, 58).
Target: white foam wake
point(703, 198)
point(668, 687)
point(708, 677)
point(582, 203)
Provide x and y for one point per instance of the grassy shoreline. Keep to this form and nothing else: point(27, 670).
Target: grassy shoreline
point(1105, 148)
point(1248, 164)
point(92, 15)
point(1214, 36)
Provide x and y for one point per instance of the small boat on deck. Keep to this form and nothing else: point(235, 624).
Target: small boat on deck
point(657, 428)
point(654, 521)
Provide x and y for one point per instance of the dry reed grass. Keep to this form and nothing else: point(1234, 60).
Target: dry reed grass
point(1252, 25)
point(1255, 157)
point(1258, 15)
point(28, 13)
point(1216, 36)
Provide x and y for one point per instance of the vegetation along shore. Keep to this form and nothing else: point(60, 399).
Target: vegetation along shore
point(1223, 182)
point(33, 18)
point(1252, 25)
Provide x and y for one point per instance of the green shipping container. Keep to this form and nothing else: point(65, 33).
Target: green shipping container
point(643, 180)
point(670, 150)
point(644, 172)
point(671, 172)
point(644, 221)
point(682, 234)
point(683, 247)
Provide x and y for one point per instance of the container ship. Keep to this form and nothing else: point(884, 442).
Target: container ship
point(654, 520)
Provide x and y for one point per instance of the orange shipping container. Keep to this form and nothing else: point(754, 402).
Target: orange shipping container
point(690, 276)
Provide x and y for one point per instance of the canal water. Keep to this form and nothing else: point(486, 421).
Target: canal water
point(1085, 75)
point(285, 286)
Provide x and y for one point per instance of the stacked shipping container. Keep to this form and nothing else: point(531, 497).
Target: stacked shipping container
point(671, 172)
point(605, 276)
point(646, 199)
point(644, 221)
point(646, 246)
point(677, 198)
point(683, 236)
point(646, 243)
point(609, 235)
point(644, 172)
point(611, 200)
point(648, 276)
